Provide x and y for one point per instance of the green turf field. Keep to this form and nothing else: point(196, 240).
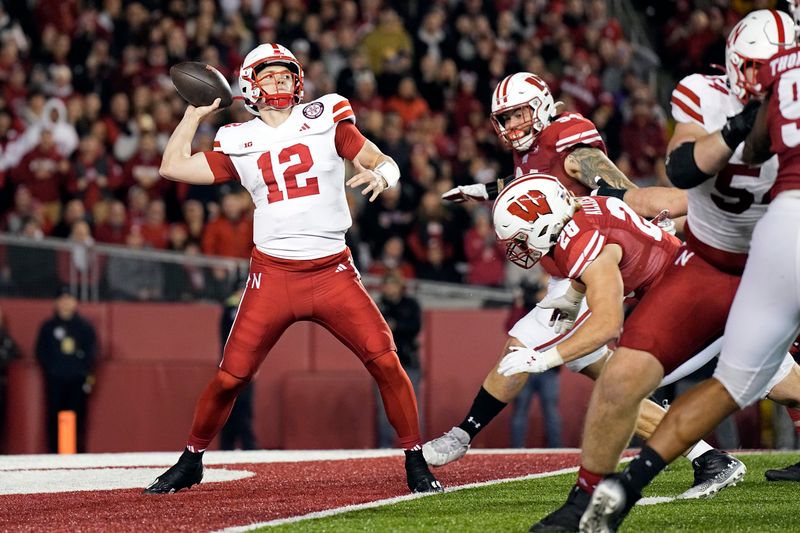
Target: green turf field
point(754, 505)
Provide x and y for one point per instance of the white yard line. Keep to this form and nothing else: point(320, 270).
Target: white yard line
point(386, 501)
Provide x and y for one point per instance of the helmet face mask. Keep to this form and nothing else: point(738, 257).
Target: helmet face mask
point(529, 94)
point(262, 90)
point(753, 41)
point(518, 251)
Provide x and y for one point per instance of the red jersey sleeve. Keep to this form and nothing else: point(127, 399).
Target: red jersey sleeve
point(349, 140)
point(575, 130)
point(578, 252)
point(221, 166)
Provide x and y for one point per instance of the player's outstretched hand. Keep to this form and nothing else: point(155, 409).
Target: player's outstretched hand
point(375, 183)
point(203, 111)
point(464, 193)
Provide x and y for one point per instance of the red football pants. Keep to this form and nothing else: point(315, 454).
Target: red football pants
point(327, 291)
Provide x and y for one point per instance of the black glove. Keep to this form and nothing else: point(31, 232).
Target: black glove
point(738, 126)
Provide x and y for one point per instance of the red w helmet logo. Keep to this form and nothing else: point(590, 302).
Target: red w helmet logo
point(530, 206)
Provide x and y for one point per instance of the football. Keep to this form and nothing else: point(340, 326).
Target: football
point(199, 84)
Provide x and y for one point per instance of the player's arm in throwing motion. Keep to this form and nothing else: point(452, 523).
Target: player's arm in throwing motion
point(374, 169)
point(178, 163)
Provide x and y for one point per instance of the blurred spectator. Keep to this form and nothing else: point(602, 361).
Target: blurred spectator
point(194, 218)
point(8, 352)
point(385, 41)
point(77, 262)
point(408, 103)
point(73, 212)
point(436, 266)
point(404, 316)
point(231, 234)
point(134, 278)
point(392, 260)
point(44, 171)
point(644, 141)
point(545, 385)
point(115, 227)
point(66, 349)
point(485, 256)
point(155, 229)
point(142, 168)
point(237, 433)
point(97, 176)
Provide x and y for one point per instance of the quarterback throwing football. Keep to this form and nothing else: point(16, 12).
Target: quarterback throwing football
point(291, 159)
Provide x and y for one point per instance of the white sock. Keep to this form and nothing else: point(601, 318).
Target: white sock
point(699, 449)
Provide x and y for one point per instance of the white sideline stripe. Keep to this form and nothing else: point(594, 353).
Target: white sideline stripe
point(653, 500)
point(55, 481)
point(388, 501)
point(98, 460)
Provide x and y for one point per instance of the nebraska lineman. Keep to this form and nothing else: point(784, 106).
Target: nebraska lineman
point(291, 160)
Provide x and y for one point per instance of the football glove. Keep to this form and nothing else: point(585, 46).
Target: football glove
point(663, 221)
point(521, 359)
point(463, 193)
point(565, 310)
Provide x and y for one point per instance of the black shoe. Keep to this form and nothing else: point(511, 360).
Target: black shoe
point(568, 516)
point(790, 473)
point(418, 475)
point(186, 472)
point(713, 471)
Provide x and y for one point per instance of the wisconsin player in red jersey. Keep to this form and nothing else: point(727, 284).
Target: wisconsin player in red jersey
point(764, 319)
point(609, 252)
point(568, 147)
point(291, 161)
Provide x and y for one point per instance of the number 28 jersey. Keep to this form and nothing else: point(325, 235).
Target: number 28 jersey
point(295, 174)
point(723, 210)
point(646, 248)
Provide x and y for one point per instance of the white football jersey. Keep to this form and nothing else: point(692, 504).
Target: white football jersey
point(723, 210)
point(296, 178)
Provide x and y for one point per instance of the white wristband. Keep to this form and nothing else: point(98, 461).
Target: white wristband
point(574, 295)
point(389, 170)
point(552, 358)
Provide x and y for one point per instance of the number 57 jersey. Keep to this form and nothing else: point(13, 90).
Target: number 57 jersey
point(723, 210)
point(295, 174)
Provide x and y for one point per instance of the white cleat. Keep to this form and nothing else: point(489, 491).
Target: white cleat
point(451, 446)
point(605, 508)
point(714, 471)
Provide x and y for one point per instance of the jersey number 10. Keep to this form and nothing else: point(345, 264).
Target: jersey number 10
point(293, 190)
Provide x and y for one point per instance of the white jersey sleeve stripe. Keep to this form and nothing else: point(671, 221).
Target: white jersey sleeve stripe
point(588, 255)
point(582, 140)
point(577, 136)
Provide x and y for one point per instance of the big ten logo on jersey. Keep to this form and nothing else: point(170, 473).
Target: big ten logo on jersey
point(292, 189)
point(530, 206)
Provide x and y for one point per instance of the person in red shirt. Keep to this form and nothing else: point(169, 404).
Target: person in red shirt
point(115, 228)
point(230, 234)
point(484, 254)
point(408, 103)
point(97, 176)
point(155, 229)
point(142, 168)
point(44, 170)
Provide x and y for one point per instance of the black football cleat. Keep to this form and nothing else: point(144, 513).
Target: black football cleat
point(714, 471)
point(567, 517)
point(188, 471)
point(418, 475)
point(790, 473)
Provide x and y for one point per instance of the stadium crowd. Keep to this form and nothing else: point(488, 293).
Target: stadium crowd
point(87, 106)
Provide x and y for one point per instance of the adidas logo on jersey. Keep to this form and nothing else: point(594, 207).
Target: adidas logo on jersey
point(304, 127)
point(341, 268)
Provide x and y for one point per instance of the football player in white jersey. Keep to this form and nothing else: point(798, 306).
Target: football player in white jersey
point(291, 159)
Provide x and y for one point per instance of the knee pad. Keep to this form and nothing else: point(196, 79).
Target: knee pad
point(227, 382)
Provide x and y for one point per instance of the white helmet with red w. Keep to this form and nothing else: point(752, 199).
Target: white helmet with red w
point(529, 93)
point(755, 39)
point(529, 215)
point(254, 90)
